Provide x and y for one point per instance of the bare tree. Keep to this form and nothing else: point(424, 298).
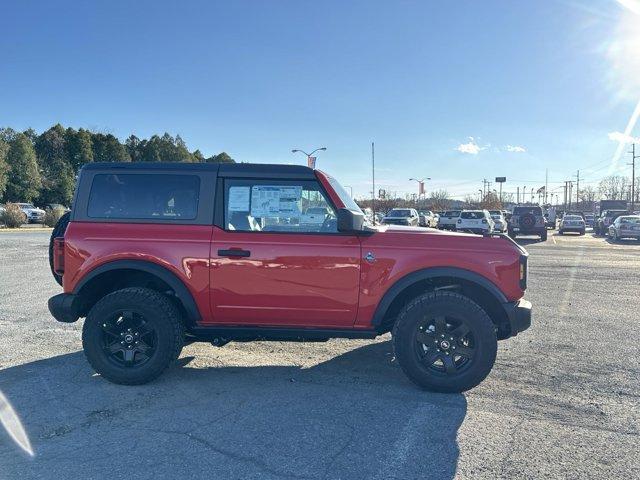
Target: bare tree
point(614, 187)
point(440, 199)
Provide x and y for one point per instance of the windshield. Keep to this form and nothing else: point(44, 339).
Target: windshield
point(525, 210)
point(474, 215)
point(25, 205)
point(452, 213)
point(344, 196)
point(634, 220)
point(496, 217)
point(317, 210)
point(573, 217)
point(399, 213)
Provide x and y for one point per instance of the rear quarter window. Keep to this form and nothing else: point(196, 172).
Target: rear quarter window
point(144, 196)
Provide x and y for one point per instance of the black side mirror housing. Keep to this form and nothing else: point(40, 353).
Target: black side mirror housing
point(350, 221)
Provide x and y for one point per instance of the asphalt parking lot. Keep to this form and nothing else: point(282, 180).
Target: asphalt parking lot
point(563, 400)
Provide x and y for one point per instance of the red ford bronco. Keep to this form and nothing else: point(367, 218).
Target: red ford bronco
point(156, 256)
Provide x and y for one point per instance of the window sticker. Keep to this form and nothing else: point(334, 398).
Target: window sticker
point(275, 201)
point(238, 199)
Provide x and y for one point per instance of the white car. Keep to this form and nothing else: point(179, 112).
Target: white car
point(572, 223)
point(33, 214)
point(314, 216)
point(475, 221)
point(448, 220)
point(500, 224)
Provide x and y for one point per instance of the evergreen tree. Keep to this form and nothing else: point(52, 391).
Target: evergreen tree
point(79, 148)
point(56, 171)
point(107, 148)
point(24, 178)
point(4, 166)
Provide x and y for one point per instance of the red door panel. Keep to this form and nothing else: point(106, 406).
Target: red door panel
point(285, 279)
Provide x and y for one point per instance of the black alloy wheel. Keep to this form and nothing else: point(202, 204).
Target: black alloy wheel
point(128, 339)
point(445, 345)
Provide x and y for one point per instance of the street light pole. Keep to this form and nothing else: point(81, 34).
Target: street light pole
point(420, 185)
point(309, 155)
point(633, 175)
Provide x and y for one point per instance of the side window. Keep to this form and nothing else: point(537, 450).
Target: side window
point(277, 206)
point(144, 196)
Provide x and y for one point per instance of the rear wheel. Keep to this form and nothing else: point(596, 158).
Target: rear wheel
point(445, 342)
point(543, 236)
point(132, 335)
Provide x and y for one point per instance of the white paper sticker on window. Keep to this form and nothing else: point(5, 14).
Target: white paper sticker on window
point(275, 201)
point(238, 199)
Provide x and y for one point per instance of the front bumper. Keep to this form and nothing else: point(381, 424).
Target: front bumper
point(64, 307)
point(519, 314)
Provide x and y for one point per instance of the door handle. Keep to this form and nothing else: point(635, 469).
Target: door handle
point(234, 252)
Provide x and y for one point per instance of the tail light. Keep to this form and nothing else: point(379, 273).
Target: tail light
point(523, 272)
point(58, 255)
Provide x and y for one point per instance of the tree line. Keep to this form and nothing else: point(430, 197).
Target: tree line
point(42, 168)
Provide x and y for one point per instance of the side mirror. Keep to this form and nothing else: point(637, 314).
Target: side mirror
point(350, 221)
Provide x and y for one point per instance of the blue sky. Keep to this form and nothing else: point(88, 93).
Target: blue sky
point(456, 90)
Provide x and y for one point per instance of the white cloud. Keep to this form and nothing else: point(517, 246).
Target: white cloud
point(471, 147)
point(515, 148)
point(623, 138)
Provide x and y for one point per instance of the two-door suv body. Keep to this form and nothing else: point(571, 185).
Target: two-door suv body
point(159, 255)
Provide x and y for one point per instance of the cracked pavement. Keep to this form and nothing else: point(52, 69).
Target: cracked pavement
point(562, 401)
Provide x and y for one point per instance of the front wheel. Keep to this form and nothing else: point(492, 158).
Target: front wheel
point(132, 335)
point(445, 342)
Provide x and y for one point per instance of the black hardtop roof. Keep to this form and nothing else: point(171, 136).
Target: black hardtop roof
point(247, 170)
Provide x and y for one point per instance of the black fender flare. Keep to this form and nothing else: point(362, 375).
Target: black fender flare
point(400, 285)
point(167, 276)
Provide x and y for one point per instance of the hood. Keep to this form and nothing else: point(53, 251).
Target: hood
point(418, 237)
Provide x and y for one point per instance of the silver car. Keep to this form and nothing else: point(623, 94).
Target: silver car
point(500, 223)
point(626, 226)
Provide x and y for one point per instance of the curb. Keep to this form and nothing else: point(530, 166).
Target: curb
point(16, 230)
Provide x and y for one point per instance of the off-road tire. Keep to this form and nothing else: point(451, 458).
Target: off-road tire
point(158, 310)
point(58, 231)
point(449, 304)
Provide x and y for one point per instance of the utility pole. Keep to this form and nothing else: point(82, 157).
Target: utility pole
point(546, 184)
point(577, 188)
point(633, 175)
point(373, 181)
point(518, 195)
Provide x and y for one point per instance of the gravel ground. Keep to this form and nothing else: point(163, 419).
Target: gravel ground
point(562, 401)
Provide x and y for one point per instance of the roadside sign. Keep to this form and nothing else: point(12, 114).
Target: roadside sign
point(501, 179)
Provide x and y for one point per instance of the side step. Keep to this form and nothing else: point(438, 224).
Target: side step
point(221, 335)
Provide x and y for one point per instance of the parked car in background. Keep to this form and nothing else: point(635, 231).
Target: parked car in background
point(427, 219)
point(314, 215)
point(500, 223)
point(551, 217)
point(32, 214)
point(572, 223)
point(448, 220)
point(589, 219)
point(527, 220)
point(606, 218)
point(625, 226)
point(475, 221)
point(2, 209)
point(402, 216)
